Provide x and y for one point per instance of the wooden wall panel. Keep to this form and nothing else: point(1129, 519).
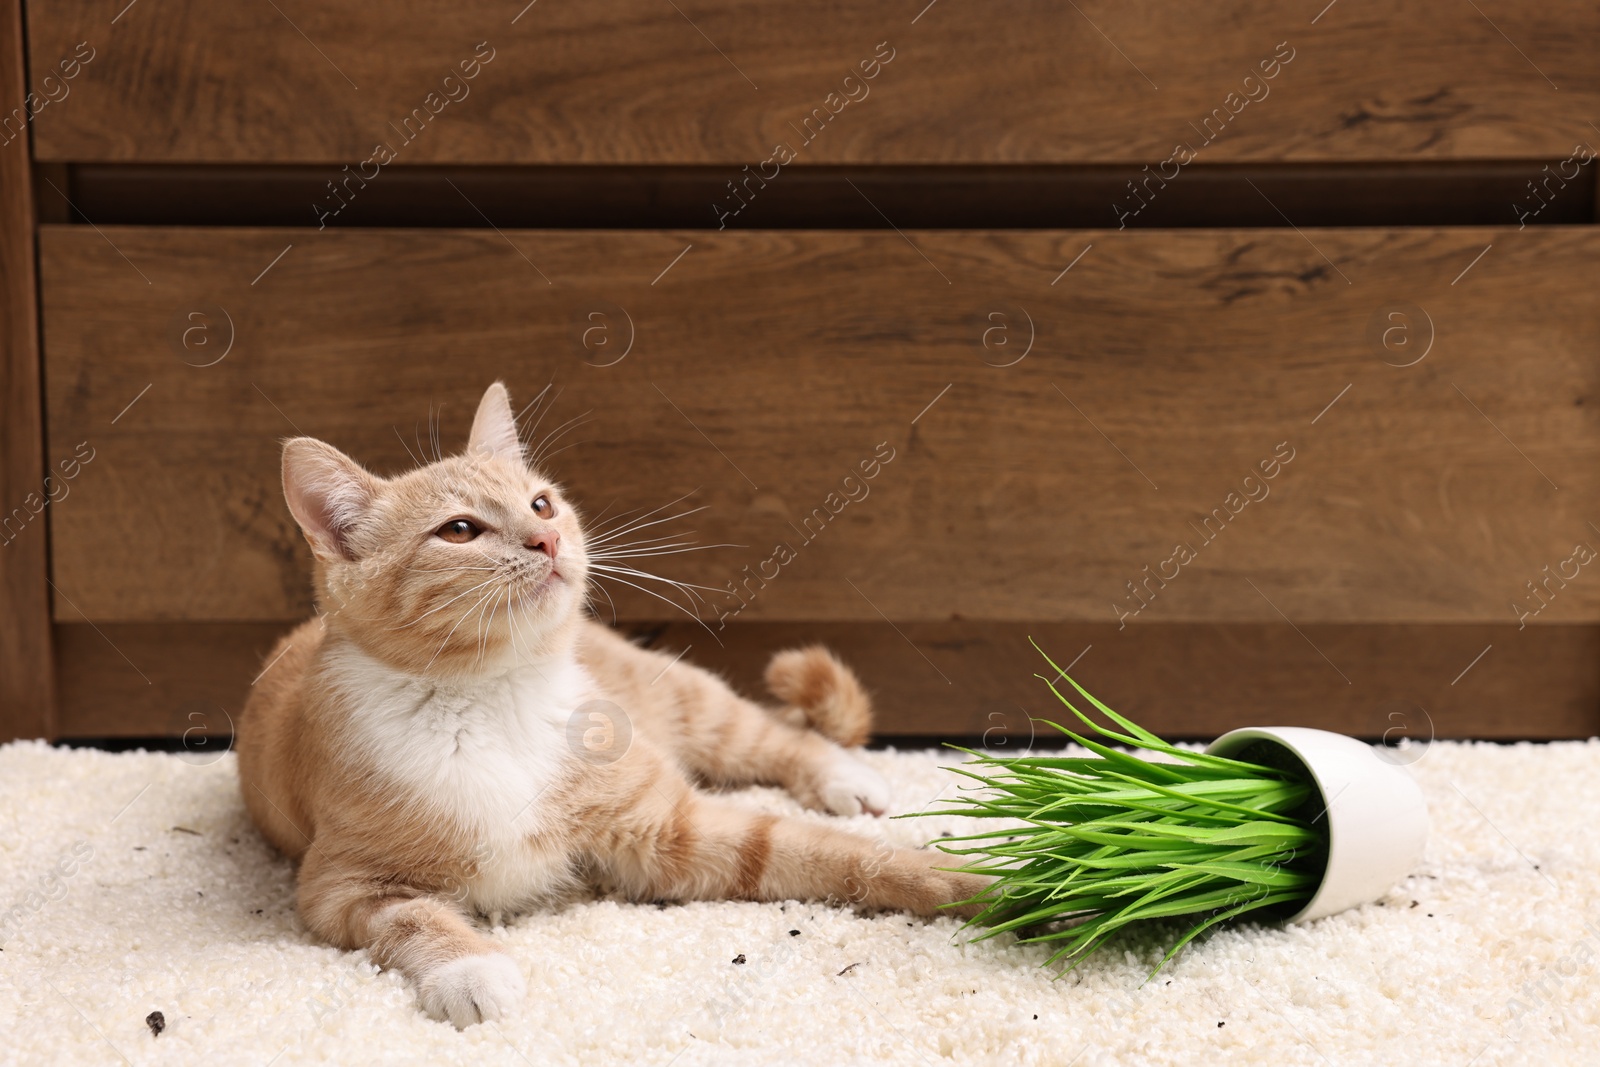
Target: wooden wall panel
point(1164, 368)
point(975, 679)
point(1198, 680)
point(725, 81)
point(27, 693)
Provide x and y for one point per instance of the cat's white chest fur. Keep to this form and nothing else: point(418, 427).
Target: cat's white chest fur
point(478, 756)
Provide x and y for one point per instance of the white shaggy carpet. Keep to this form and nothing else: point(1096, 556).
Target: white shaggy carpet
point(134, 883)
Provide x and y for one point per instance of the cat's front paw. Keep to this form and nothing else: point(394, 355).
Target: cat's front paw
point(472, 989)
point(846, 786)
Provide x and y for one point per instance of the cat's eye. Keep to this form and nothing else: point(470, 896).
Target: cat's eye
point(543, 508)
point(458, 531)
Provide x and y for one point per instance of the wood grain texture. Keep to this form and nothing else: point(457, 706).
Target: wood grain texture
point(158, 680)
point(53, 205)
point(764, 367)
point(976, 680)
point(724, 81)
point(27, 693)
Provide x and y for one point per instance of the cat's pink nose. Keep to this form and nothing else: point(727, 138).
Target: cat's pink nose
point(547, 541)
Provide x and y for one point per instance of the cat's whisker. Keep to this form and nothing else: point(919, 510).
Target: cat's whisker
point(667, 550)
point(509, 605)
point(595, 527)
point(486, 624)
point(613, 557)
point(441, 607)
point(576, 420)
point(515, 630)
point(484, 617)
point(689, 589)
point(555, 435)
point(457, 626)
point(603, 567)
point(535, 402)
point(536, 453)
point(606, 564)
point(643, 541)
point(625, 521)
point(547, 458)
point(595, 587)
point(494, 564)
point(626, 515)
point(477, 635)
point(527, 645)
point(664, 600)
point(655, 540)
point(595, 522)
point(416, 436)
point(530, 405)
point(640, 524)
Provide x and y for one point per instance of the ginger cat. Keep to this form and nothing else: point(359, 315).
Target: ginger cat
point(421, 747)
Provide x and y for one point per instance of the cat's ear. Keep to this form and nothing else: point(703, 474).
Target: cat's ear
point(328, 493)
point(494, 427)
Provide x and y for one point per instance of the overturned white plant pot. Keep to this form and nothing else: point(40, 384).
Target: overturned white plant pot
point(1372, 811)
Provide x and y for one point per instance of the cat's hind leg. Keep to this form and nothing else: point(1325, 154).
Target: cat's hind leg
point(727, 740)
point(659, 838)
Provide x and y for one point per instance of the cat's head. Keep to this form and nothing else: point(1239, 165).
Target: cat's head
point(468, 564)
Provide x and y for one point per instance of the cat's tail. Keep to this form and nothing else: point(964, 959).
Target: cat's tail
point(822, 693)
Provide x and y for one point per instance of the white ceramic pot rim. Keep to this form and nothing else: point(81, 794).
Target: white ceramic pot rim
point(1375, 816)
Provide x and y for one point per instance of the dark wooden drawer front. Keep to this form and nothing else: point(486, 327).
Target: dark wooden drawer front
point(726, 81)
point(1052, 434)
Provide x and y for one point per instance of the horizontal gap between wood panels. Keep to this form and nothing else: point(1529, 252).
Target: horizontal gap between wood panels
point(210, 745)
point(973, 679)
point(1499, 193)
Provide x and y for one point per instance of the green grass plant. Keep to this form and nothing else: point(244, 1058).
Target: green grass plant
point(1093, 844)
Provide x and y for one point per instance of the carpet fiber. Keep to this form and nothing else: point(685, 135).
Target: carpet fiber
point(134, 883)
